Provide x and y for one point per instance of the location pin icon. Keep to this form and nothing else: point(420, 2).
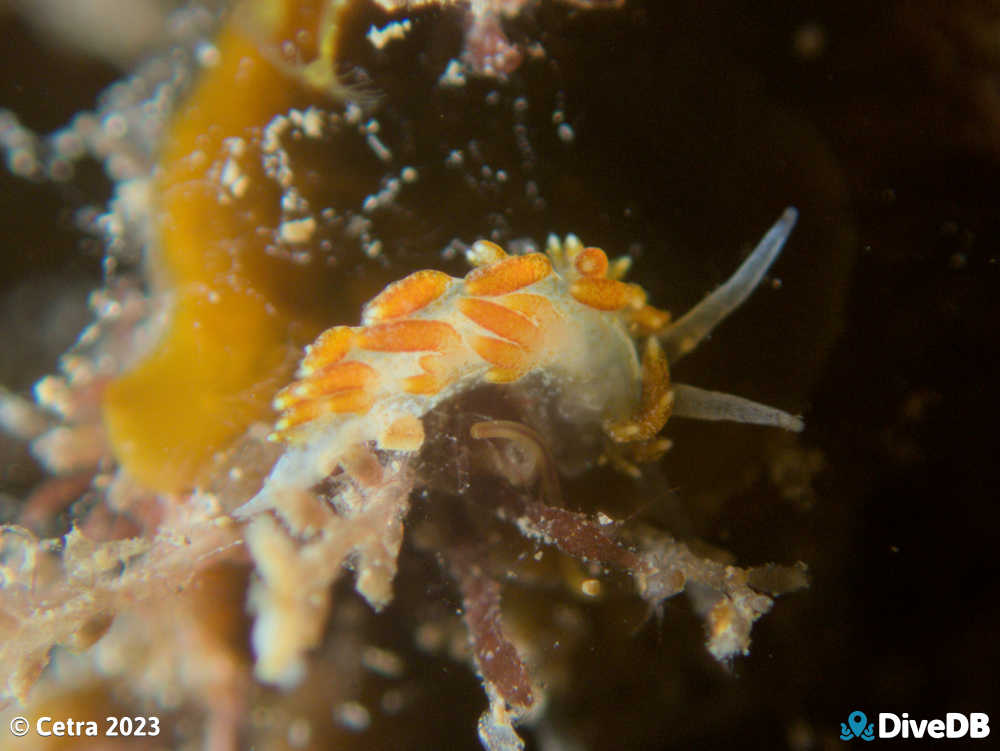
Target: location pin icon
point(857, 721)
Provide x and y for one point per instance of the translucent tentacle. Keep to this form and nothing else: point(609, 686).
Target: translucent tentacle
point(702, 404)
point(697, 323)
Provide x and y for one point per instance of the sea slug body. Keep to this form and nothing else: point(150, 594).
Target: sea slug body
point(565, 314)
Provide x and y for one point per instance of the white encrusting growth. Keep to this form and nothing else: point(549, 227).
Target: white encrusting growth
point(697, 323)
point(379, 38)
point(302, 227)
point(297, 230)
point(454, 75)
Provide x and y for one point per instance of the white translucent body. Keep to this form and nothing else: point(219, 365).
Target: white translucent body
point(587, 354)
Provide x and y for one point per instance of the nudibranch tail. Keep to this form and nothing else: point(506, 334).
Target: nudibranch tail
point(688, 332)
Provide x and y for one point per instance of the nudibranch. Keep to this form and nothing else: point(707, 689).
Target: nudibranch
point(241, 280)
point(565, 315)
point(573, 351)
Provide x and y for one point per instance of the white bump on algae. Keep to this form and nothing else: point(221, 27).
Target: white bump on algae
point(297, 230)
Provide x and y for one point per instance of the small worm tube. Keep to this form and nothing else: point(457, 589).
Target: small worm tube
point(530, 443)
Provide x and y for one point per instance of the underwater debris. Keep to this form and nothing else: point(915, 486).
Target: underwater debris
point(487, 50)
point(67, 591)
point(229, 250)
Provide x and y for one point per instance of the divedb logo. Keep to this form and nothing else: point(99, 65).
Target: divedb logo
point(975, 725)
